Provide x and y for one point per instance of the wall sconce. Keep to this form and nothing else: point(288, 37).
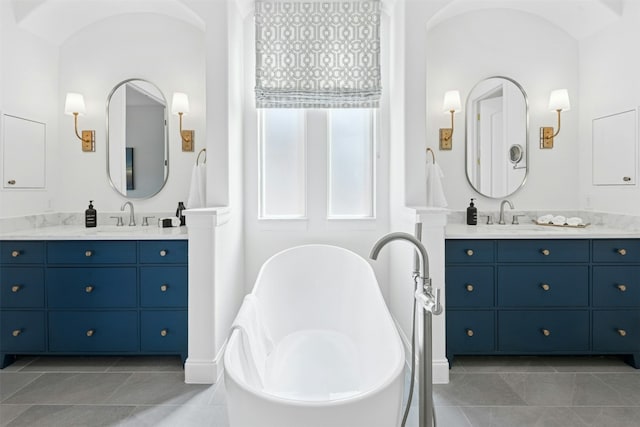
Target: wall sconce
point(558, 101)
point(180, 106)
point(74, 105)
point(451, 105)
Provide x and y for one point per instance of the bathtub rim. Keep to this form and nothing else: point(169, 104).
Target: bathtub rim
point(398, 371)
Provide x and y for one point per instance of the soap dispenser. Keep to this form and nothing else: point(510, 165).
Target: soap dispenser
point(90, 216)
point(472, 214)
point(180, 213)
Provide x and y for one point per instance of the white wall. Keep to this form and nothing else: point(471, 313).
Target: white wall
point(609, 83)
point(29, 89)
point(166, 51)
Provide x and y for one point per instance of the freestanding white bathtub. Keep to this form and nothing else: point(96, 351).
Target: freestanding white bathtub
point(314, 345)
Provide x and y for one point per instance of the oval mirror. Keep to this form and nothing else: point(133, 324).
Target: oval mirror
point(137, 139)
point(497, 137)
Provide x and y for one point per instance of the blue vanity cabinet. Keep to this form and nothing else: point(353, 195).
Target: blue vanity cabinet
point(543, 296)
point(89, 297)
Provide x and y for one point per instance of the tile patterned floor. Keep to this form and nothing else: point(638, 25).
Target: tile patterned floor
point(483, 392)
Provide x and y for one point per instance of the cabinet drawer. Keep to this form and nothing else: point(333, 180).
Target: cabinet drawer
point(91, 287)
point(617, 286)
point(469, 251)
point(163, 331)
point(20, 252)
point(22, 331)
point(163, 286)
point(91, 252)
point(470, 331)
point(543, 286)
point(616, 330)
point(543, 331)
point(616, 250)
point(543, 250)
point(89, 331)
point(163, 251)
point(469, 286)
point(21, 287)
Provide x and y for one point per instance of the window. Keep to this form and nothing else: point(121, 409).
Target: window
point(347, 136)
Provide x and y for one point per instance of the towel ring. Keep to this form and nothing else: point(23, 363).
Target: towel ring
point(203, 151)
point(433, 155)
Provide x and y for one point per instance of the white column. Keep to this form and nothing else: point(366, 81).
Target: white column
point(204, 360)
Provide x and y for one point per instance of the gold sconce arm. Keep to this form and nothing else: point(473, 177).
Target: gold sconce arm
point(186, 136)
point(88, 137)
point(446, 134)
point(547, 134)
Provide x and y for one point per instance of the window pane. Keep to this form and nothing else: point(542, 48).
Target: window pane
point(282, 164)
point(351, 165)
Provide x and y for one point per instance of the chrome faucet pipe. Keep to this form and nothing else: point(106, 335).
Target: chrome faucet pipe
point(399, 235)
point(504, 202)
point(132, 216)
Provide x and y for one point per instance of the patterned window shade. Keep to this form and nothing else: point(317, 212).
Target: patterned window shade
point(317, 54)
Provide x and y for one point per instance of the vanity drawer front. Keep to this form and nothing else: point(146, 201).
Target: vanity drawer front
point(617, 286)
point(20, 252)
point(543, 286)
point(22, 331)
point(470, 331)
point(543, 331)
point(616, 330)
point(21, 287)
point(91, 287)
point(543, 250)
point(469, 251)
point(470, 286)
point(163, 286)
point(90, 331)
point(163, 331)
point(616, 250)
point(91, 252)
point(163, 251)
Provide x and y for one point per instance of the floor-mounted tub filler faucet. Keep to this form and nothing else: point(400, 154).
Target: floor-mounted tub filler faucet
point(504, 202)
point(132, 215)
point(429, 299)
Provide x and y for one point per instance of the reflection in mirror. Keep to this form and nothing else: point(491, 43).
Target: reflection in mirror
point(137, 144)
point(497, 137)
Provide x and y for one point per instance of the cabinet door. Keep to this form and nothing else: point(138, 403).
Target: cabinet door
point(163, 286)
point(469, 286)
point(470, 332)
point(614, 149)
point(163, 331)
point(91, 287)
point(616, 286)
point(21, 287)
point(93, 331)
point(543, 286)
point(617, 330)
point(22, 331)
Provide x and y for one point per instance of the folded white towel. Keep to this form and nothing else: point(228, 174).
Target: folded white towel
point(574, 221)
point(559, 220)
point(435, 192)
point(197, 190)
point(545, 219)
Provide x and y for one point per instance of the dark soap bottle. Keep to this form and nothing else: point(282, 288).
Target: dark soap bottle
point(472, 214)
point(180, 214)
point(90, 216)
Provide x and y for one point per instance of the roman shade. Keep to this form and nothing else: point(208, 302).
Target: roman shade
point(317, 54)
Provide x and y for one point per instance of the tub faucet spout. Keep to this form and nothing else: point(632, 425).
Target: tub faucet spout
point(504, 202)
point(132, 215)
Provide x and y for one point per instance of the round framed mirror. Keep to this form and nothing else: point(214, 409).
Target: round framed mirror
point(137, 139)
point(497, 137)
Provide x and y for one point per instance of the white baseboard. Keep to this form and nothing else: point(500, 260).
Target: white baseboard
point(204, 371)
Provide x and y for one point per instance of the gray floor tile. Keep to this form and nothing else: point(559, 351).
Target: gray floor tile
point(159, 388)
point(172, 416)
point(591, 364)
point(591, 391)
point(71, 415)
point(543, 389)
point(522, 416)
point(69, 388)
point(11, 382)
point(19, 363)
point(497, 364)
point(627, 384)
point(475, 389)
point(609, 416)
point(10, 412)
point(146, 364)
point(71, 364)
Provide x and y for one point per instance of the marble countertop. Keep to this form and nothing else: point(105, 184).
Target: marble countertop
point(534, 231)
point(102, 232)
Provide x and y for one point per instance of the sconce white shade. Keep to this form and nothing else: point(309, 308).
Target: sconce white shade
point(180, 103)
point(451, 101)
point(74, 103)
point(559, 100)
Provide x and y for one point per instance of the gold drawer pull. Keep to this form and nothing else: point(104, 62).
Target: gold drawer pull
point(545, 252)
point(469, 332)
point(90, 332)
point(622, 332)
point(16, 332)
point(469, 287)
point(622, 288)
point(164, 332)
point(622, 252)
point(163, 252)
point(545, 287)
point(469, 252)
point(88, 253)
point(15, 254)
point(16, 288)
point(88, 289)
point(164, 288)
point(546, 332)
